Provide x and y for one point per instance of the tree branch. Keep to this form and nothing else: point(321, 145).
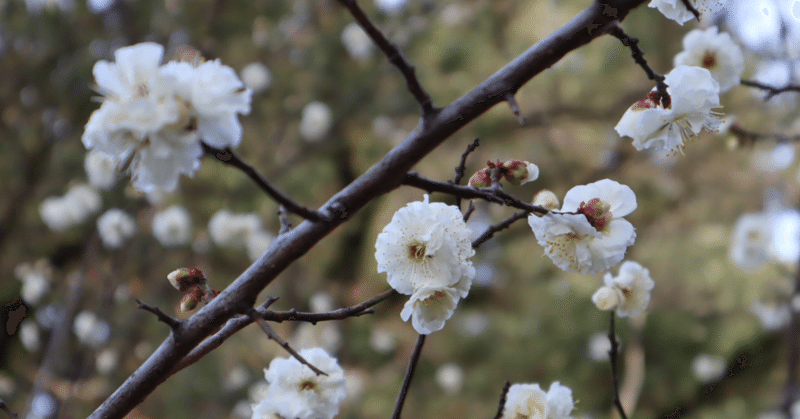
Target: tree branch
point(502, 404)
point(172, 322)
point(692, 9)
point(412, 366)
point(771, 90)
point(272, 334)
point(384, 176)
point(638, 56)
point(462, 166)
point(612, 356)
point(395, 57)
point(489, 233)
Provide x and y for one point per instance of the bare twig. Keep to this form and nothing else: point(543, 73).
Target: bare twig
point(502, 404)
point(748, 137)
point(638, 56)
point(412, 366)
point(340, 314)
point(395, 57)
point(612, 356)
point(489, 233)
point(470, 211)
point(771, 90)
point(283, 216)
point(172, 322)
point(227, 156)
point(4, 407)
point(272, 334)
point(512, 103)
point(462, 166)
point(383, 177)
point(495, 195)
point(692, 9)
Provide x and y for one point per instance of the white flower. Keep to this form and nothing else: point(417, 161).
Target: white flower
point(390, 7)
point(101, 169)
point(677, 11)
point(772, 316)
point(35, 280)
point(173, 226)
point(75, 207)
point(716, 52)
point(707, 368)
point(559, 401)
point(315, 122)
point(91, 330)
point(230, 229)
point(425, 245)
point(694, 96)
point(257, 77)
point(630, 290)
point(598, 347)
point(450, 377)
point(774, 159)
point(295, 391)
point(525, 401)
point(257, 243)
point(430, 308)
point(29, 335)
point(357, 42)
point(115, 226)
point(750, 241)
point(785, 238)
point(589, 234)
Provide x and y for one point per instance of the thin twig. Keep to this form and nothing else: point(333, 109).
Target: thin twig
point(4, 407)
point(462, 166)
point(512, 103)
point(283, 217)
point(793, 353)
point(172, 322)
point(771, 90)
point(638, 56)
point(692, 9)
point(412, 366)
point(340, 314)
point(272, 334)
point(502, 405)
point(612, 356)
point(470, 211)
point(395, 57)
point(489, 233)
point(748, 137)
point(227, 156)
point(488, 194)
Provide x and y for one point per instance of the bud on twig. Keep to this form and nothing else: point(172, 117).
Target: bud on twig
point(190, 301)
point(184, 278)
point(547, 199)
point(481, 179)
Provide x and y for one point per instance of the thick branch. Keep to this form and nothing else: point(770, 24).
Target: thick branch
point(385, 176)
point(395, 57)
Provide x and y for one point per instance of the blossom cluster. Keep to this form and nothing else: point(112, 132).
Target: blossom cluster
point(294, 391)
point(529, 401)
point(628, 292)
point(588, 235)
point(75, 207)
point(769, 236)
point(716, 52)
point(425, 253)
point(153, 117)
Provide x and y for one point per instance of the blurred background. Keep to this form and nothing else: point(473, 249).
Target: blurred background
point(326, 106)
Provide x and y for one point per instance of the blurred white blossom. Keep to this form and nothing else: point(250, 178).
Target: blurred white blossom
point(598, 347)
point(628, 292)
point(707, 368)
point(589, 234)
point(315, 122)
point(75, 207)
point(29, 336)
point(90, 329)
point(173, 226)
point(257, 77)
point(115, 226)
point(257, 243)
point(450, 378)
point(716, 52)
point(106, 361)
point(356, 41)
point(391, 7)
point(772, 316)
point(35, 280)
point(231, 229)
point(101, 169)
point(750, 242)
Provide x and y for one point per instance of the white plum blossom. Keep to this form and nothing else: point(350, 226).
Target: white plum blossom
point(153, 117)
point(450, 377)
point(173, 226)
point(716, 52)
point(785, 238)
point(425, 252)
point(257, 77)
point(707, 368)
point(751, 240)
point(75, 207)
point(115, 226)
point(295, 391)
point(231, 229)
point(90, 329)
point(676, 10)
point(589, 234)
point(598, 347)
point(101, 169)
point(356, 41)
point(390, 7)
point(629, 291)
point(315, 122)
point(529, 401)
point(35, 280)
point(772, 316)
point(694, 100)
point(258, 242)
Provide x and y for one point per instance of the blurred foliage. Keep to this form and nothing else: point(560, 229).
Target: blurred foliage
point(538, 320)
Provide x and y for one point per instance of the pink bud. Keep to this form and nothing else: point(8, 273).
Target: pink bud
point(184, 278)
point(481, 179)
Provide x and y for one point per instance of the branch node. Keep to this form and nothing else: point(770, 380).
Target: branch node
point(512, 103)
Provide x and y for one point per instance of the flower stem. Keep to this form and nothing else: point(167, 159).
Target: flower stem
point(412, 366)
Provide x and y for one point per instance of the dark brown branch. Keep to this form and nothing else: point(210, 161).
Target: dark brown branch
point(512, 103)
point(412, 366)
point(272, 334)
point(489, 233)
point(502, 405)
point(749, 138)
point(462, 166)
point(638, 56)
point(692, 9)
point(395, 57)
point(495, 195)
point(771, 90)
point(612, 356)
point(172, 322)
point(470, 210)
point(227, 156)
point(340, 314)
point(381, 178)
point(4, 407)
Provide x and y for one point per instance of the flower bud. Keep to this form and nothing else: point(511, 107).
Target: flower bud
point(605, 298)
point(516, 171)
point(547, 199)
point(481, 179)
point(184, 278)
point(190, 301)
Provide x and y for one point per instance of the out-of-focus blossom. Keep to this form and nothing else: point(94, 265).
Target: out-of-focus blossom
point(315, 122)
point(115, 226)
point(173, 226)
point(716, 52)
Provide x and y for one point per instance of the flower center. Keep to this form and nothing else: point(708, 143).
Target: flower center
point(435, 298)
point(709, 60)
point(308, 385)
point(596, 212)
point(416, 252)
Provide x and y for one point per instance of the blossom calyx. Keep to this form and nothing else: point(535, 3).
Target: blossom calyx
point(184, 278)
